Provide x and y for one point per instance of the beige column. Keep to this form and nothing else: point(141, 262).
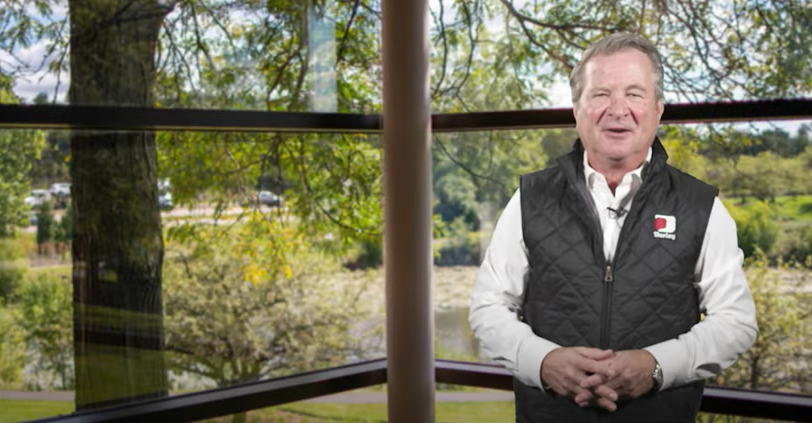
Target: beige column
point(407, 208)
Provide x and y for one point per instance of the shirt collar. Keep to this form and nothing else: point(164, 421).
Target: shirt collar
point(590, 173)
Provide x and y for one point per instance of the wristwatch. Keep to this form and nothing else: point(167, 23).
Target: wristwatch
point(658, 377)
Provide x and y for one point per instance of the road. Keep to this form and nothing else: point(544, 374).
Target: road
point(201, 214)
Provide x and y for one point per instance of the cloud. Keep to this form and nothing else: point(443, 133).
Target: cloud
point(28, 87)
point(32, 76)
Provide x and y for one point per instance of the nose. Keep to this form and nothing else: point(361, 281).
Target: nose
point(618, 106)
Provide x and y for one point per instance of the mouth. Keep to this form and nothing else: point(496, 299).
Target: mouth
point(617, 131)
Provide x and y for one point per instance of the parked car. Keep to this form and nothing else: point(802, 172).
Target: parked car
point(37, 197)
point(269, 199)
point(60, 192)
point(165, 201)
point(266, 198)
point(60, 188)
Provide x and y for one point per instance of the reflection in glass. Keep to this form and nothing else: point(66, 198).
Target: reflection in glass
point(292, 56)
point(762, 171)
point(232, 258)
point(323, 56)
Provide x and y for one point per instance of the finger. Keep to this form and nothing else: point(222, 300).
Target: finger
point(593, 381)
point(595, 353)
point(584, 396)
point(597, 368)
point(606, 392)
point(606, 404)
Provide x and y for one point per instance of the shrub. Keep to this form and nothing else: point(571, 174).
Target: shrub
point(45, 314)
point(757, 227)
point(12, 266)
point(12, 350)
point(461, 247)
point(46, 225)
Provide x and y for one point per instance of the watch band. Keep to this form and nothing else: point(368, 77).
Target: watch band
point(658, 376)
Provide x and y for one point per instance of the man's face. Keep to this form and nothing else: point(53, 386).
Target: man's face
point(618, 112)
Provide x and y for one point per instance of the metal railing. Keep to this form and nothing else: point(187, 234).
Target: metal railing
point(133, 119)
point(256, 395)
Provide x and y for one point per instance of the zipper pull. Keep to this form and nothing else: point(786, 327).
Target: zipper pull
point(608, 275)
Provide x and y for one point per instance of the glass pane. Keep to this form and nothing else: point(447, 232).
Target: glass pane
point(137, 265)
point(475, 174)
point(277, 56)
point(311, 56)
point(515, 55)
point(762, 170)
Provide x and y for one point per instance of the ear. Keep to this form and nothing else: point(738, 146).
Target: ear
point(660, 109)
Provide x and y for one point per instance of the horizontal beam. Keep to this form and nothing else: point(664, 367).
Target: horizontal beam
point(135, 119)
point(768, 405)
point(738, 402)
point(251, 396)
point(147, 119)
point(743, 111)
point(236, 399)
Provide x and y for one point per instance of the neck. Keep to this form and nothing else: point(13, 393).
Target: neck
point(613, 178)
point(614, 172)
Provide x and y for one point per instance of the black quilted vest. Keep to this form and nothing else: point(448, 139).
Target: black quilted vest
point(573, 297)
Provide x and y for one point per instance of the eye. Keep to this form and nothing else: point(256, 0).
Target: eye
point(634, 94)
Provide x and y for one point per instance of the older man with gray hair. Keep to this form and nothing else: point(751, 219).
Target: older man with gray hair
point(613, 283)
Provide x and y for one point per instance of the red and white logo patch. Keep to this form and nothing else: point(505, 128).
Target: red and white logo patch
point(665, 226)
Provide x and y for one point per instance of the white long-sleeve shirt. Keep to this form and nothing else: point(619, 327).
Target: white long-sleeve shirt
point(728, 328)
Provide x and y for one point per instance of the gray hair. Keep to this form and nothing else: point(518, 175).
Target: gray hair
point(612, 44)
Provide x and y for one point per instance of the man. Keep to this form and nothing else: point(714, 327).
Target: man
point(600, 266)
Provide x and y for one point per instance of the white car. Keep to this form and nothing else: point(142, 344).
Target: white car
point(60, 192)
point(61, 189)
point(37, 197)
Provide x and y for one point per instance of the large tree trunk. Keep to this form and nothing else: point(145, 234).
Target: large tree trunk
point(118, 247)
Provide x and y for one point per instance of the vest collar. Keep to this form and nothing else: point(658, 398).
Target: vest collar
point(573, 162)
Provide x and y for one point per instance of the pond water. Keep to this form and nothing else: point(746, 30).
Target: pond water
point(455, 340)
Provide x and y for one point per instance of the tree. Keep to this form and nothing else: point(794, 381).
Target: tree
point(46, 228)
point(239, 309)
point(557, 143)
point(17, 150)
point(44, 314)
point(12, 350)
point(117, 229)
point(710, 50)
point(64, 230)
point(778, 360)
point(12, 267)
point(263, 55)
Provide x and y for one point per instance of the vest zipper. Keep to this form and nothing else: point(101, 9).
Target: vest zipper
point(606, 310)
point(609, 274)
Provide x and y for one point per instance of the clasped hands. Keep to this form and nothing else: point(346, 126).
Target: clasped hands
point(598, 378)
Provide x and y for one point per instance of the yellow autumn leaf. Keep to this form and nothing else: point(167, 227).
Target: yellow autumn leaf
point(288, 272)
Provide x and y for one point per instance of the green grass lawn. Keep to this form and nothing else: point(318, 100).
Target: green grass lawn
point(13, 411)
point(790, 208)
point(64, 270)
point(446, 412)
